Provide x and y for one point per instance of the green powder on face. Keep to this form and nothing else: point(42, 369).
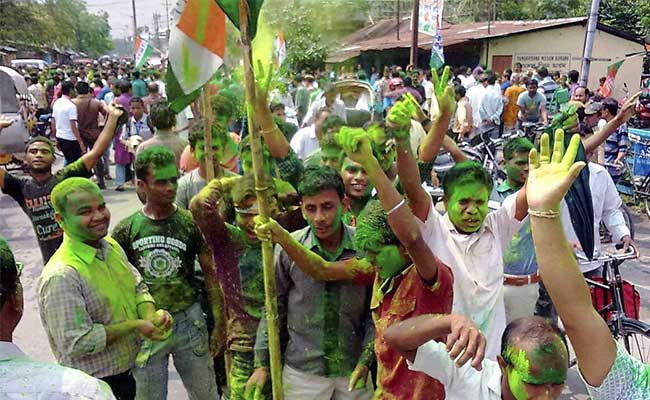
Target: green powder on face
point(516, 384)
point(468, 219)
point(390, 261)
point(168, 171)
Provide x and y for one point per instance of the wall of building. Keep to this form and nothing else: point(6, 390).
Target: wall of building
point(561, 49)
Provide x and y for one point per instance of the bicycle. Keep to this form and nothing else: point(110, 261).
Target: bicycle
point(636, 187)
point(633, 333)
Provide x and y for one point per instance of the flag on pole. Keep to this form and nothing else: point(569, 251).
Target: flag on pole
point(143, 51)
point(231, 8)
point(280, 47)
point(430, 22)
point(612, 70)
point(197, 46)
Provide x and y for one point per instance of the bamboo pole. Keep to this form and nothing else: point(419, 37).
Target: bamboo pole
point(261, 186)
point(207, 132)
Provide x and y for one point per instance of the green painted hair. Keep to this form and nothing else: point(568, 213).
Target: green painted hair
point(318, 178)
point(516, 145)
point(219, 133)
point(65, 188)
point(40, 139)
point(372, 227)
point(540, 330)
point(153, 157)
point(162, 117)
point(332, 122)
point(466, 171)
point(245, 148)
point(8, 272)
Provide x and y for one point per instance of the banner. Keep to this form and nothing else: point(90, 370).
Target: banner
point(143, 51)
point(430, 22)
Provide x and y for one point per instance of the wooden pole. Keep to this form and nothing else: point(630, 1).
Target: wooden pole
point(207, 132)
point(415, 21)
point(262, 188)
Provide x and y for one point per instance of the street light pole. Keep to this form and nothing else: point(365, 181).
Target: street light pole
point(415, 19)
point(592, 24)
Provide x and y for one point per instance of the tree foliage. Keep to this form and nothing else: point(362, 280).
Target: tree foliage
point(63, 23)
point(311, 27)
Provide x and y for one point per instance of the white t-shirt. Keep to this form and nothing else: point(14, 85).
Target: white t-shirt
point(305, 142)
point(460, 383)
point(477, 263)
point(24, 378)
point(64, 111)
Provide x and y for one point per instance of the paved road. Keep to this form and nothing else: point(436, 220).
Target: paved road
point(30, 336)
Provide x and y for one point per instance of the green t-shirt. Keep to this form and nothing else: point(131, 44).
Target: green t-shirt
point(164, 251)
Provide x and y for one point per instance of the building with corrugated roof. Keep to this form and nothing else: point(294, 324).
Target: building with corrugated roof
point(555, 43)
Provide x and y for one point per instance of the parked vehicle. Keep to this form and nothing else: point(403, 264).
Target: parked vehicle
point(13, 138)
point(29, 62)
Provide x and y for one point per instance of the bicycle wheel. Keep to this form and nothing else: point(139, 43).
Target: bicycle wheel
point(635, 336)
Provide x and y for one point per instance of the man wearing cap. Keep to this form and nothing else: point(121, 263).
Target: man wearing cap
point(32, 192)
point(20, 376)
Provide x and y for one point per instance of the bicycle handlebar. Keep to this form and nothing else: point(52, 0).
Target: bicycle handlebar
point(608, 257)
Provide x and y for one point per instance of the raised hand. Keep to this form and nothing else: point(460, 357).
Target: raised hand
point(629, 108)
point(5, 122)
point(400, 115)
point(417, 111)
point(551, 175)
point(445, 94)
point(262, 84)
point(356, 144)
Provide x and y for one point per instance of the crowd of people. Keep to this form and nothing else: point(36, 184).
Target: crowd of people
point(381, 291)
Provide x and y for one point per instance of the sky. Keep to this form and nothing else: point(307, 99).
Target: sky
point(120, 16)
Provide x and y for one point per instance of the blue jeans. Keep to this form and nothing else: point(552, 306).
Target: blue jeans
point(189, 346)
point(120, 174)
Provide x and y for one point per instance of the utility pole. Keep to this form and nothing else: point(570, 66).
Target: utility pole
point(592, 24)
point(167, 12)
point(135, 23)
point(398, 17)
point(156, 27)
point(415, 19)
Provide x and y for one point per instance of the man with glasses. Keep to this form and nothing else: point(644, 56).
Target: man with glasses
point(20, 376)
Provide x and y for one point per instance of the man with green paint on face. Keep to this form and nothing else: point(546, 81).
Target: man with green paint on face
point(163, 243)
point(533, 363)
point(521, 279)
point(238, 256)
point(190, 184)
point(408, 279)
point(32, 192)
point(330, 331)
point(94, 304)
point(467, 238)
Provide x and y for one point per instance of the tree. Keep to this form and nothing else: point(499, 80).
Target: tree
point(63, 23)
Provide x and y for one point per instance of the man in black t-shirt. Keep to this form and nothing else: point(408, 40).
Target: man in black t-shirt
point(32, 192)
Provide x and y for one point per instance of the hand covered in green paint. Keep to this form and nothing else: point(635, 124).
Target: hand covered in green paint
point(445, 94)
point(162, 319)
point(262, 86)
point(399, 117)
point(255, 384)
point(465, 340)
point(417, 111)
point(269, 231)
point(551, 175)
point(152, 332)
point(358, 378)
point(356, 144)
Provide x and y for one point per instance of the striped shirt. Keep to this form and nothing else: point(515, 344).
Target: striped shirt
point(616, 143)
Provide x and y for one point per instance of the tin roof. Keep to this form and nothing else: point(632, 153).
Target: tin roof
point(382, 35)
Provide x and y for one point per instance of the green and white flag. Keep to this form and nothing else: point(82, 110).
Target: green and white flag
point(143, 51)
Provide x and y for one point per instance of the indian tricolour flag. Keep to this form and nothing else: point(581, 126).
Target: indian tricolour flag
point(143, 51)
point(197, 46)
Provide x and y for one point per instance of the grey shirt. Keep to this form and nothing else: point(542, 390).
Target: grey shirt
point(188, 186)
point(327, 325)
